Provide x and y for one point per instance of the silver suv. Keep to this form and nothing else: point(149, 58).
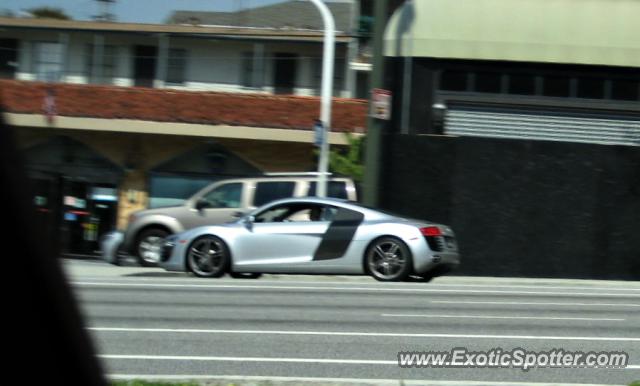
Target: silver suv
point(219, 202)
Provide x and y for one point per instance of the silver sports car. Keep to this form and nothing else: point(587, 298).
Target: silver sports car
point(315, 236)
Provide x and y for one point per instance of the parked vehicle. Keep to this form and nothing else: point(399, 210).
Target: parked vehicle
point(110, 246)
point(315, 236)
point(220, 202)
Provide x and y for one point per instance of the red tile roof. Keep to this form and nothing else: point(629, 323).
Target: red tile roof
point(164, 105)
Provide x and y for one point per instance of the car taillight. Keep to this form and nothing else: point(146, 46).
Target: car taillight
point(431, 231)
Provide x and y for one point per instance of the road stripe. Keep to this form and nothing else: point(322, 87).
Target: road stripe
point(251, 359)
point(501, 317)
point(366, 334)
point(192, 358)
point(537, 303)
point(169, 280)
point(394, 382)
point(356, 289)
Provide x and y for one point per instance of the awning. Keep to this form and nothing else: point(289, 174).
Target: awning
point(593, 32)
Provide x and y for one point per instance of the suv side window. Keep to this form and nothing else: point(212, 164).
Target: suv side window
point(268, 191)
point(225, 196)
point(335, 189)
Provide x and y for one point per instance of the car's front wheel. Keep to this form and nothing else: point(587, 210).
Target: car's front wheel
point(208, 256)
point(388, 259)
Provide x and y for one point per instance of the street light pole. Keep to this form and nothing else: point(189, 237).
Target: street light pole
point(326, 93)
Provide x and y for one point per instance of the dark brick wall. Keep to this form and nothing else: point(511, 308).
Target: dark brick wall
point(523, 208)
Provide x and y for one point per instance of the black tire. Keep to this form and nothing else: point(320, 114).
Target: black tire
point(148, 248)
point(388, 259)
point(208, 256)
point(245, 275)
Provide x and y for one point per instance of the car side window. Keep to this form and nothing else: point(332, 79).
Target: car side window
point(225, 196)
point(296, 213)
point(268, 191)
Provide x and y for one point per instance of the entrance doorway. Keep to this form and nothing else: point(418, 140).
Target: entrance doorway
point(144, 65)
point(286, 66)
point(76, 193)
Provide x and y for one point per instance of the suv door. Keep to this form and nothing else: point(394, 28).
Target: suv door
point(216, 206)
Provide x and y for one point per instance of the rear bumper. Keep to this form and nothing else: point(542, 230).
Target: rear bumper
point(444, 261)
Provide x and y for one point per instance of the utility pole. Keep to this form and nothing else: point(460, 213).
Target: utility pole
point(326, 93)
point(375, 126)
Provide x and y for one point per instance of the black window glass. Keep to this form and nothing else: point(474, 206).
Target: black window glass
point(488, 82)
point(335, 189)
point(522, 84)
point(170, 190)
point(625, 89)
point(592, 88)
point(225, 196)
point(556, 86)
point(453, 80)
point(270, 191)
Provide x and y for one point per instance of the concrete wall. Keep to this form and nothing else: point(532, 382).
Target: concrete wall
point(523, 208)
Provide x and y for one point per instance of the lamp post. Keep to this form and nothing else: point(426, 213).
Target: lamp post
point(326, 93)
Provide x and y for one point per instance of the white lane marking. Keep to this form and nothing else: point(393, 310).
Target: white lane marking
point(365, 334)
point(354, 283)
point(538, 303)
point(261, 359)
point(357, 289)
point(501, 317)
point(248, 378)
point(192, 358)
point(251, 359)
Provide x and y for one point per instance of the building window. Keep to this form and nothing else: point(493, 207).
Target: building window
point(176, 66)
point(489, 82)
point(592, 88)
point(104, 70)
point(522, 84)
point(625, 89)
point(48, 61)
point(247, 70)
point(451, 80)
point(338, 75)
point(556, 86)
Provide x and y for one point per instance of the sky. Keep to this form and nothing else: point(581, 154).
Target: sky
point(141, 11)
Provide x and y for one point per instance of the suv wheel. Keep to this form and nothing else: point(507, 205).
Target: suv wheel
point(149, 246)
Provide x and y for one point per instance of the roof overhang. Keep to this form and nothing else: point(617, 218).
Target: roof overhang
point(195, 31)
point(171, 128)
point(591, 32)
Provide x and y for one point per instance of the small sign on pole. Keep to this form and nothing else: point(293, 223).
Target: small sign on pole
point(318, 129)
point(381, 104)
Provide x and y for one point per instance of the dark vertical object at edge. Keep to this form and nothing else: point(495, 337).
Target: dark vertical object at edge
point(44, 319)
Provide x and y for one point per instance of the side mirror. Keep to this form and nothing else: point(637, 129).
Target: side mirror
point(202, 204)
point(248, 221)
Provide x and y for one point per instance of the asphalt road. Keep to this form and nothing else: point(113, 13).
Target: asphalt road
point(151, 324)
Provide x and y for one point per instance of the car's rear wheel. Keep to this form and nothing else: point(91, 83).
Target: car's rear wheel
point(388, 259)
point(208, 256)
point(149, 246)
